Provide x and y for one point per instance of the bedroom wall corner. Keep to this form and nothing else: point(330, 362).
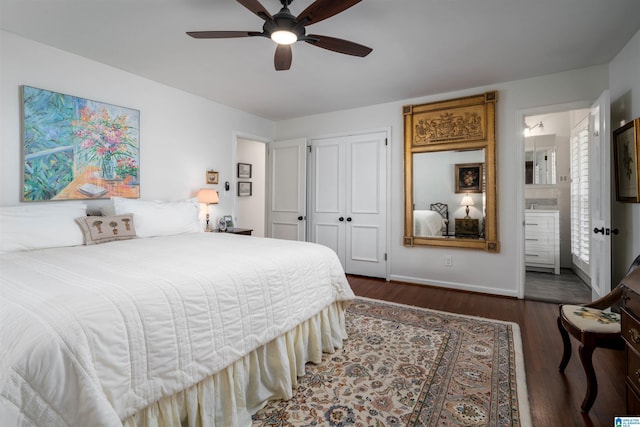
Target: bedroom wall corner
point(181, 135)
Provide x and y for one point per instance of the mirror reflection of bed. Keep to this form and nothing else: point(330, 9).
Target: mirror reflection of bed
point(433, 222)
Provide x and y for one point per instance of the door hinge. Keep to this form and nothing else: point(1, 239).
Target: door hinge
point(385, 256)
point(309, 148)
point(386, 141)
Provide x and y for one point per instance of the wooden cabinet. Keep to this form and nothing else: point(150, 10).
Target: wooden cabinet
point(467, 227)
point(542, 240)
point(630, 328)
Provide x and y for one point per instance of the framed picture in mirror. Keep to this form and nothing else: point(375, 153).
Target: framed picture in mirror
point(468, 178)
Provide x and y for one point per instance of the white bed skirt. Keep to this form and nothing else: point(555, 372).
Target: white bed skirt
point(231, 396)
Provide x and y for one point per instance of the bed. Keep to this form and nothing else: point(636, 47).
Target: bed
point(432, 222)
point(188, 328)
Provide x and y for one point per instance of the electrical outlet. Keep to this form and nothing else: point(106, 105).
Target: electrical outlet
point(448, 261)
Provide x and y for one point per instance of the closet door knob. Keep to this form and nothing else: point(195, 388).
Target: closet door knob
point(300, 218)
point(349, 219)
point(341, 219)
point(598, 230)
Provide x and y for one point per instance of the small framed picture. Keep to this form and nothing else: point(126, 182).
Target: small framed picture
point(225, 223)
point(212, 177)
point(244, 188)
point(244, 170)
point(228, 220)
point(626, 151)
point(468, 178)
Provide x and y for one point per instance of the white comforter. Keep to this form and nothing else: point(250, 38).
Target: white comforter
point(108, 329)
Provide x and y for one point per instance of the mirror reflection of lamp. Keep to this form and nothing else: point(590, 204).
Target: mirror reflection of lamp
point(208, 196)
point(467, 201)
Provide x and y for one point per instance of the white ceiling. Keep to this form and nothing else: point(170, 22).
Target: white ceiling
point(420, 47)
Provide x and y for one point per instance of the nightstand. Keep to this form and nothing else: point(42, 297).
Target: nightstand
point(467, 227)
point(242, 231)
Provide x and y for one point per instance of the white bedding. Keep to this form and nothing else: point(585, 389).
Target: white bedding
point(109, 329)
point(427, 223)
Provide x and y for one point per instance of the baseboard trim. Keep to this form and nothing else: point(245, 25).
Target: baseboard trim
point(454, 285)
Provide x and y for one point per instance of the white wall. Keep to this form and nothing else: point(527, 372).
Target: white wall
point(250, 211)
point(181, 135)
point(624, 87)
point(471, 270)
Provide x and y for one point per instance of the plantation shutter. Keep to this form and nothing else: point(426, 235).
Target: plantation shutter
point(580, 221)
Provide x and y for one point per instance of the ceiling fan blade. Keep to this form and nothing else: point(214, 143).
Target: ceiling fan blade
point(282, 59)
point(323, 9)
point(339, 45)
point(257, 8)
point(221, 34)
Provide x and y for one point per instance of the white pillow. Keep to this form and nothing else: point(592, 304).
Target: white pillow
point(42, 225)
point(158, 218)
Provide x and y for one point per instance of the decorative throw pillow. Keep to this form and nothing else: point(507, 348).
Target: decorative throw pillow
point(103, 229)
point(160, 218)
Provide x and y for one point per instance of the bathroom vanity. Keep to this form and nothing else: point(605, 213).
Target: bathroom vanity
point(542, 240)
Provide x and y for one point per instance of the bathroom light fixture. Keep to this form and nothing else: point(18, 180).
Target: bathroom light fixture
point(528, 129)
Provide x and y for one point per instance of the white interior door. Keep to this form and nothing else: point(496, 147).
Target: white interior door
point(287, 189)
point(600, 196)
point(328, 194)
point(348, 200)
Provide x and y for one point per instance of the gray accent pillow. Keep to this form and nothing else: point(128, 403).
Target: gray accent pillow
point(103, 229)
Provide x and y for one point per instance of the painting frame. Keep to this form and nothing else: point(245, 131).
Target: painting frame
point(468, 178)
point(626, 153)
point(244, 170)
point(212, 177)
point(245, 188)
point(74, 148)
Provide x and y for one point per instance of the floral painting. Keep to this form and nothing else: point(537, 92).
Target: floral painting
point(468, 178)
point(75, 148)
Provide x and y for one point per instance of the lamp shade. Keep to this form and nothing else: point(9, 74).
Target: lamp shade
point(208, 196)
point(467, 201)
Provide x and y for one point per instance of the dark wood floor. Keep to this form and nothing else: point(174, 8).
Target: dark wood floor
point(554, 398)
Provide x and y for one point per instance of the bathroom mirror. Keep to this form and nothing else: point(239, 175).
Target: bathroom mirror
point(450, 177)
point(540, 160)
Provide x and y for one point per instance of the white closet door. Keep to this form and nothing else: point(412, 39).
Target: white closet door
point(366, 205)
point(348, 206)
point(328, 194)
point(287, 189)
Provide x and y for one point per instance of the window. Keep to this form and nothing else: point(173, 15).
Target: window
point(580, 221)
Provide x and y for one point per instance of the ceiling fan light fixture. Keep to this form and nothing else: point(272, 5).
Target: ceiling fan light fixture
point(284, 37)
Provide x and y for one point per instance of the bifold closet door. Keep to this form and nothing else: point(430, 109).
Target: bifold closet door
point(287, 189)
point(348, 200)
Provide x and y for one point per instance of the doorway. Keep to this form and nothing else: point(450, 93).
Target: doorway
point(249, 205)
point(556, 189)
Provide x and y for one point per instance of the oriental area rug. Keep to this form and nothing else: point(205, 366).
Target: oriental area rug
point(408, 366)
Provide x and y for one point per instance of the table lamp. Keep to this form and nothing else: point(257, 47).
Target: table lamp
point(467, 201)
point(209, 196)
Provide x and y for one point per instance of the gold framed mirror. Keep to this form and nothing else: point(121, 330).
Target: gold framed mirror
point(450, 173)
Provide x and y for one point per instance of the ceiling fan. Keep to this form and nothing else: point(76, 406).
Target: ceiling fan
point(286, 29)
